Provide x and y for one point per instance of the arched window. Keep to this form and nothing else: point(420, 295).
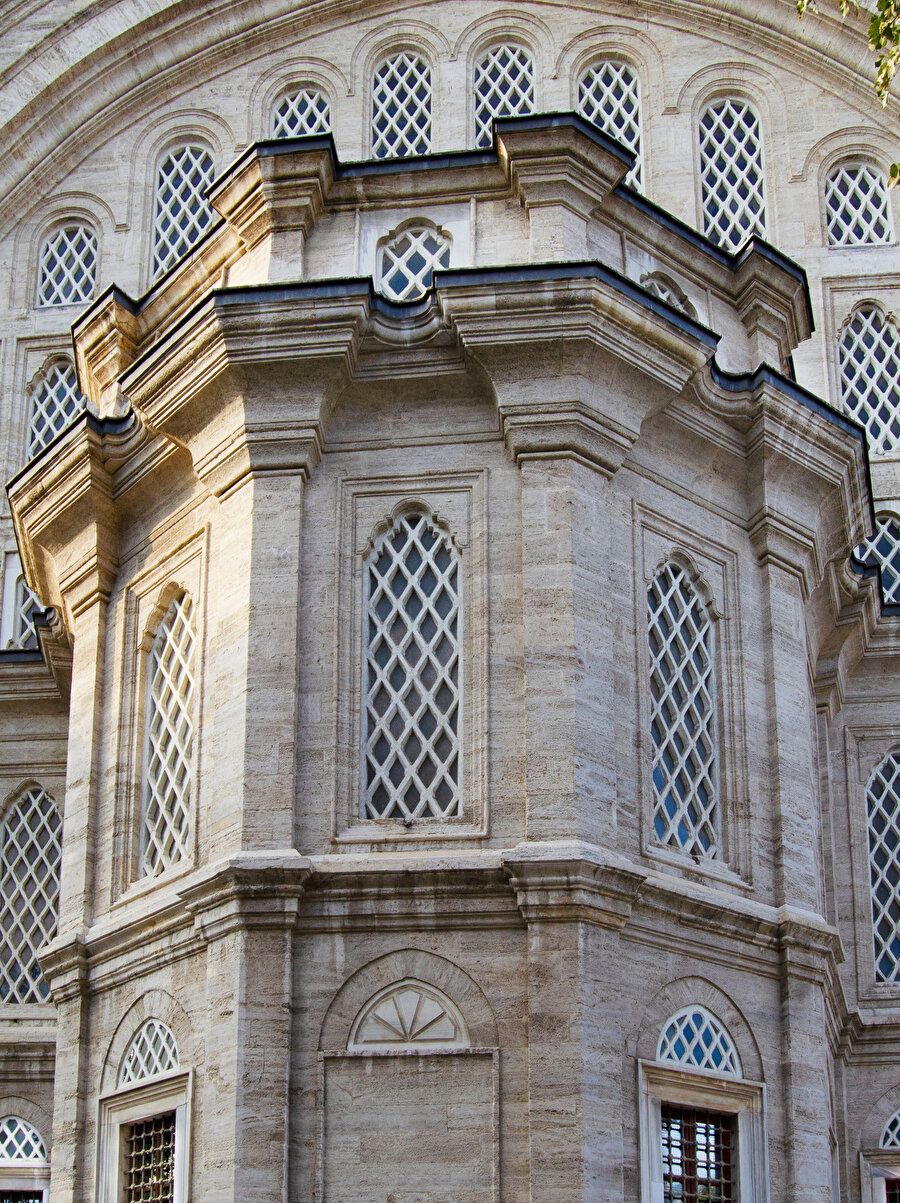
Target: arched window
point(731, 173)
point(30, 853)
point(152, 1050)
point(408, 1015)
point(54, 399)
point(504, 87)
point(695, 1038)
point(408, 258)
point(305, 111)
point(411, 673)
point(609, 94)
point(401, 107)
point(883, 818)
point(20, 1141)
point(166, 818)
point(890, 1137)
point(181, 211)
point(856, 205)
point(664, 287)
point(67, 266)
point(682, 716)
point(883, 549)
point(870, 376)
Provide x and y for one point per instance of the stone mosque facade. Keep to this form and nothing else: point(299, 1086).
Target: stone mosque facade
point(450, 686)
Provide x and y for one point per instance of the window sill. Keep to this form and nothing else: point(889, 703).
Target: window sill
point(703, 872)
point(388, 831)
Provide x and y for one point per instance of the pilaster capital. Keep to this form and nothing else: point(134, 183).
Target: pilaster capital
point(64, 964)
point(569, 881)
point(772, 298)
point(257, 891)
point(810, 948)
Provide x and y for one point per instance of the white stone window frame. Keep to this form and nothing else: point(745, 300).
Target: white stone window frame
point(377, 226)
point(498, 39)
point(889, 317)
point(746, 1100)
point(53, 232)
point(406, 226)
point(736, 91)
point(388, 55)
point(132, 1104)
point(852, 158)
point(9, 614)
point(32, 1174)
point(876, 1165)
point(636, 177)
point(147, 598)
point(458, 499)
point(290, 92)
point(173, 146)
point(713, 569)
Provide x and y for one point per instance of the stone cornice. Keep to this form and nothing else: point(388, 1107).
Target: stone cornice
point(258, 891)
point(569, 881)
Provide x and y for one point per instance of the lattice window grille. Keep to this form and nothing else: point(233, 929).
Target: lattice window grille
point(67, 267)
point(731, 173)
point(401, 107)
point(151, 1051)
point(408, 1015)
point(504, 87)
point(411, 687)
point(682, 716)
point(609, 95)
point(890, 1137)
point(301, 113)
point(182, 213)
point(166, 816)
point(883, 548)
point(30, 853)
point(149, 1160)
point(870, 376)
point(697, 1155)
point(694, 1037)
point(883, 815)
point(25, 605)
point(19, 1141)
point(660, 285)
point(55, 399)
point(856, 205)
point(407, 262)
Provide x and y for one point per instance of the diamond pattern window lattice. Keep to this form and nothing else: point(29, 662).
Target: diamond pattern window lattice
point(883, 815)
point(166, 820)
point(67, 266)
point(30, 852)
point(664, 287)
point(731, 173)
point(411, 686)
point(54, 400)
point(883, 549)
point(301, 113)
point(609, 95)
point(408, 1015)
point(890, 1137)
point(682, 716)
point(869, 356)
point(401, 107)
point(407, 262)
point(181, 213)
point(856, 205)
point(152, 1051)
point(19, 1141)
point(504, 87)
point(695, 1038)
point(26, 605)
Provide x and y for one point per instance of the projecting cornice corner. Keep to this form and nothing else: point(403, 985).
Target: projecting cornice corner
point(106, 341)
point(252, 890)
point(570, 881)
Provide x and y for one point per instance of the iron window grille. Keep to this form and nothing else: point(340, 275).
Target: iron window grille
point(609, 95)
point(411, 674)
point(883, 548)
point(149, 1160)
point(181, 212)
point(683, 722)
point(504, 87)
point(166, 813)
point(408, 259)
point(67, 266)
point(883, 820)
point(869, 355)
point(731, 173)
point(301, 113)
point(30, 854)
point(151, 1051)
point(697, 1155)
point(856, 206)
point(54, 400)
point(401, 107)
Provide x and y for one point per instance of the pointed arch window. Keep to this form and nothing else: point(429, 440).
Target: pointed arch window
point(883, 821)
point(20, 1141)
point(504, 87)
point(857, 206)
point(166, 819)
point(731, 172)
point(694, 1037)
point(152, 1050)
point(682, 716)
point(30, 854)
point(883, 549)
point(609, 95)
point(67, 265)
point(869, 355)
point(301, 112)
point(409, 257)
point(411, 673)
point(890, 1136)
point(181, 213)
point(54, 399)
point(401, 107)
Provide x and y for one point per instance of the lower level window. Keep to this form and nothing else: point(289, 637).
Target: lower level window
point(21, 1196)
point(149, 1160)
point(697, 1156)
point(892, 1190)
